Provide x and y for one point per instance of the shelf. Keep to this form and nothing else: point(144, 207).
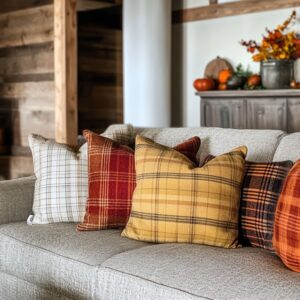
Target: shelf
point(250, 93)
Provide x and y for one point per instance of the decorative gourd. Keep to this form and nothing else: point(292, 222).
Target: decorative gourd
point(225, 75)
point(204, 84)
point(214, 67)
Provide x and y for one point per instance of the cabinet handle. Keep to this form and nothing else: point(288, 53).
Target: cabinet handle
point(205, 114)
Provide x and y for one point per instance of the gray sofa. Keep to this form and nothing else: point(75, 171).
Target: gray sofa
point(57, 262)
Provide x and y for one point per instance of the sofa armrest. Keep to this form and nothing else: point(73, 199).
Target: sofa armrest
point(16, 198)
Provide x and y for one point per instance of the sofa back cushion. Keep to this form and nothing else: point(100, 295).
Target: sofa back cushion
point(288, 148)
point(261, 144)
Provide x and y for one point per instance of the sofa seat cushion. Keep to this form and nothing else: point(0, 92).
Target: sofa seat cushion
point(210, 272)
point(58, 258)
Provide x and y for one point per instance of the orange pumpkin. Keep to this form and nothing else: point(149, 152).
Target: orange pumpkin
point(204, 84)
point(222, 87)
point(224, 75)
point(254, 80)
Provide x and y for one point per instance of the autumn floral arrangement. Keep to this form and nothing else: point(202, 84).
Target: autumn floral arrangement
point(279, 44)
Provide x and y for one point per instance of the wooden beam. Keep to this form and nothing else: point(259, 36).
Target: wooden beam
point(65, 65)
point(230, 9)
point(84, 5)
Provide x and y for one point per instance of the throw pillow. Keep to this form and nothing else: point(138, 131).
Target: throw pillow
point(112, 181)
point(61, 181)
point(175, 201)
point(286, 238)
point(262, 186)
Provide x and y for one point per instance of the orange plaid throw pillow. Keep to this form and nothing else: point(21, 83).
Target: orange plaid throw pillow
point(286, 237)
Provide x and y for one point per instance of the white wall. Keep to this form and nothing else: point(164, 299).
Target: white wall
point(147, 62)
point(204, 40)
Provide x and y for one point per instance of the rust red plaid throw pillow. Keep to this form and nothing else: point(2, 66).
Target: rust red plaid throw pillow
point(286, 239)
point(261, 189)
point(112, 180)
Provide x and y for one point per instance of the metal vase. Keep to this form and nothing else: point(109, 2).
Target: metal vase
point(277, 74)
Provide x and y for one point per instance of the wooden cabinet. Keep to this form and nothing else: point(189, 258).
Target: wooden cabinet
point(263, 109)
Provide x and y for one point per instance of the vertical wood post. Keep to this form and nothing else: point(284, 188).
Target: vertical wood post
point(65, 61)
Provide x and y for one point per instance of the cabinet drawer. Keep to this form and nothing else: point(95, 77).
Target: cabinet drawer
point(223, 113)
point(267, 113)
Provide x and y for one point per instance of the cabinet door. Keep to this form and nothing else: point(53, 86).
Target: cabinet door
point(267, 113)
point(223, 113)
point(293, 115)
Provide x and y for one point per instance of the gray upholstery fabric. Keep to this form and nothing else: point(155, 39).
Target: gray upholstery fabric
point(13, 288)
point(123, 286)
point(261, 143)
point(288, 148)
point(210, 272)
point(58, 258)
point(16, 197)
point(103, 265)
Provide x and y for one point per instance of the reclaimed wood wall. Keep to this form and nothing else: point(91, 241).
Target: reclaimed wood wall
point(100, 68)
point(27, 96)
point(26, 80)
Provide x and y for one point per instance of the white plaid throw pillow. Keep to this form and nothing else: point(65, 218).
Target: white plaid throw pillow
point(61, 181)
point(61, 185)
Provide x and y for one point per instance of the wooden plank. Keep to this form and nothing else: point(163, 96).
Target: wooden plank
point(27, 60)
point(13, 5)
point(102, 66)
point(18, 126)
point(35, 95)
point(230, 9)
point(12, 167)
point(84, 5)
point(65, 58)
point(98, 37)
point(26, 27)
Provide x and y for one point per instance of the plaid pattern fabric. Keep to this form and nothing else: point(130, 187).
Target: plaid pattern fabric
point(174, 201)
point(112, 181)
point(61, 181)
point(262, 186)
point(286, 238)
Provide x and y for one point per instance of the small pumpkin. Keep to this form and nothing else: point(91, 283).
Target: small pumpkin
point(235, 82)
point(225, 75)
point(254, 80)
point(222, 87)
point(204, 84)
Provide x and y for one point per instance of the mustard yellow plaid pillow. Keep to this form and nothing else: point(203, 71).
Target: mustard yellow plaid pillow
point(176, 202)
